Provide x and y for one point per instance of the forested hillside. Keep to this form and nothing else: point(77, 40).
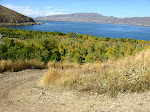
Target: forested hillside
point(57, 46)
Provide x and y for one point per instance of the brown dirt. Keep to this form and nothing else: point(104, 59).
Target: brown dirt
point(19, 92)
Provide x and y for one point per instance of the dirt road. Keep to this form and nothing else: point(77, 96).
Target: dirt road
point(20, 92)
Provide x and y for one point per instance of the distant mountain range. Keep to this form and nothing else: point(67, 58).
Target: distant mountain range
point(10, 17)
point(97, 18)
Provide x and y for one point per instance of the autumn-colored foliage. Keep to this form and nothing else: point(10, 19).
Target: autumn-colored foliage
point(57, 46)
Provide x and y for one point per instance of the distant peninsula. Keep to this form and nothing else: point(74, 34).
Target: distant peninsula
point(10, 17)
point(97, 18)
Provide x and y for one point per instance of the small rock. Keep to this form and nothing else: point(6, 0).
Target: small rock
point(42, 93)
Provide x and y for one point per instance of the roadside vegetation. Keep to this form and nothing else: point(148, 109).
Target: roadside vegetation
point(129, 74)
point(78, 62)
point(9, 65)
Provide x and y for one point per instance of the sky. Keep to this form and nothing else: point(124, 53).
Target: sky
point(117, 8)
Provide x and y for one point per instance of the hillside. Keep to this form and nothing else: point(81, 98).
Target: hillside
point(10, 17)
point(84, 73)
point(56, 46)
point(97, 18)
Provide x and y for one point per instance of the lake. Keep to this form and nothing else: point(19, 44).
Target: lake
point(95, 29)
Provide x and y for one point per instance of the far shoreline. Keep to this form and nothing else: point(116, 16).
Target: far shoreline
point(94, 22)
point(20, 24)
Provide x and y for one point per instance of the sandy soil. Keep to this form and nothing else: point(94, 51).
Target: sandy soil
point(19, 92)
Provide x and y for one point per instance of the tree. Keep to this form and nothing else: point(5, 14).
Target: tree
point(55, 56)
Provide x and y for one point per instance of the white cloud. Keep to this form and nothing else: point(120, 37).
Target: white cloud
point(47, 11)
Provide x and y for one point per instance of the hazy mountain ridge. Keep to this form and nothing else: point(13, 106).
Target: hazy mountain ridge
point(97, 18)
point(10, 16)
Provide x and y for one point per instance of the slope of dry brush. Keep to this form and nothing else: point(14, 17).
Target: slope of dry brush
point(130, 74)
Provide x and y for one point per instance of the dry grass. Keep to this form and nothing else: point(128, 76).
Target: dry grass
point(130, 74)
point(6, 65)
point(62, 65)
point(51, 77)
point(9, 65)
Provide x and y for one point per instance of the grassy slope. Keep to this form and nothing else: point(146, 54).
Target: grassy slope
point(128, 74)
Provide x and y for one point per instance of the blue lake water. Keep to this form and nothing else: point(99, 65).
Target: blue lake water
point(95, 29)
